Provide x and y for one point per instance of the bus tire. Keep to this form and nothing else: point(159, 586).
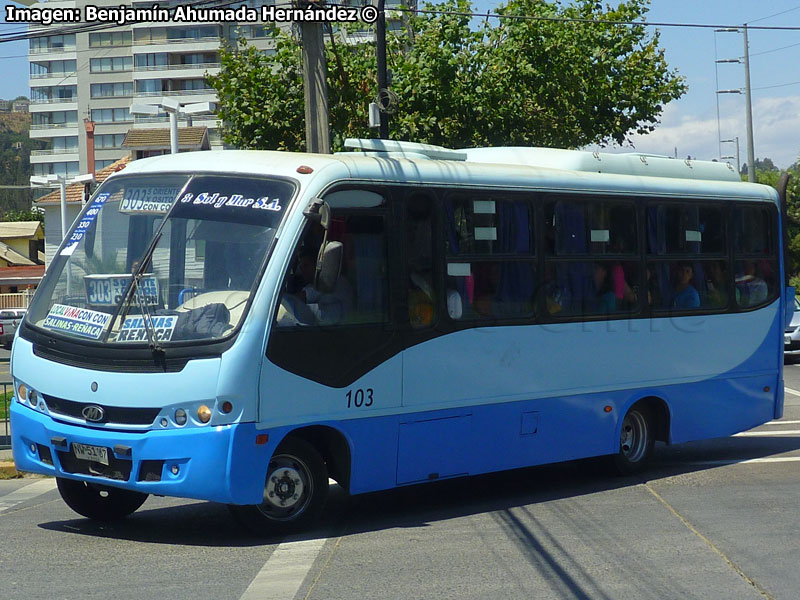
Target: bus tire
point(295, 491)
point(99, 503)
point(636, 441)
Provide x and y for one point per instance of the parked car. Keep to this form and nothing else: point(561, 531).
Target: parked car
point(791, 337)
point(9, 320)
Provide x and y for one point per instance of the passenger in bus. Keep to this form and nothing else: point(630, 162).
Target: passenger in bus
point(603, 301)
point(624, 293)
point(750, 288)
point(419, 256)
point(487, 278)
point(328, 308)
point(717, 294)
point(686, 296)
point(653, 289)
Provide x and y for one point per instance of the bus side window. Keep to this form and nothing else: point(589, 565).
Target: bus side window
point(419, 258)
point(604, 233)
point(491, 263)
point(755, 266)
point(336, 336)
point(360, 295)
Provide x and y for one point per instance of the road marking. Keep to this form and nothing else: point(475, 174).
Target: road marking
point(284, 571)
point(29, 492)
point(767, 433)
point(783, 423)
point(791, 391)
point(739, 461)
point(736, 568)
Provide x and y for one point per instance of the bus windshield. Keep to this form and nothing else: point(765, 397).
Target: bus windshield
point(157, 260)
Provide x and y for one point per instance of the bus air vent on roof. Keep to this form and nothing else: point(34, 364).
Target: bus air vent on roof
point(397, 149)
point(643, 165)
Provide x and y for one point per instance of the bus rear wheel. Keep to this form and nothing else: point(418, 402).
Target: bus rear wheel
point(635, 441)
point(97, 502)
point(295, 491)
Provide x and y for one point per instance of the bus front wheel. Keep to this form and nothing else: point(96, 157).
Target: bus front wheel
point(295, 491)
point(635, 441)
point(99, 503)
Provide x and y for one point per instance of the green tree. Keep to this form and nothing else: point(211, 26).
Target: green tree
point(768, 174)
point(23, 215)
point(15, 149)
point(512, 81)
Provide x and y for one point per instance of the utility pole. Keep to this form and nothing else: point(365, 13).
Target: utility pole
point(751, 155)
point(751, 160)
point(315, 84)
point(734, 140)
point(383, 83)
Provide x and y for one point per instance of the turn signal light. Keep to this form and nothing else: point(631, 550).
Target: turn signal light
point(22, 392)
point(204, 414)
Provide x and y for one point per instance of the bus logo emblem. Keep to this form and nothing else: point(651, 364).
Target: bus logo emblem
point(93, 413)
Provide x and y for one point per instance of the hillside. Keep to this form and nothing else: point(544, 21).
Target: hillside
point(15, 161)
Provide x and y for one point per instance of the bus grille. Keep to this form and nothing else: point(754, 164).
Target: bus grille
point(119, 469)
point(113, 414)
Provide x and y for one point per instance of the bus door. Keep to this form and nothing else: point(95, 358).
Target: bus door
point(336, 352)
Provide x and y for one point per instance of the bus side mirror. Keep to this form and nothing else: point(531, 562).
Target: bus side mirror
point(329, 265)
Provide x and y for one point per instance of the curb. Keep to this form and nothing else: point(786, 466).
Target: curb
point(8, 469)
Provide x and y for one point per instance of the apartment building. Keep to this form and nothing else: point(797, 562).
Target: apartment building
point(98, 75)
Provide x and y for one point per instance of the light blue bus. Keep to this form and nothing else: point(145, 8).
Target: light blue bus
point(242, 326)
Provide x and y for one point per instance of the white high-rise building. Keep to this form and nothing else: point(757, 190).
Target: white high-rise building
point(98, 75)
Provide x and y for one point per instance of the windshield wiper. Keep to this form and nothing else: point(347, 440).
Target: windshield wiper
point(147, 318)
point(132, 289)
point(124, 306)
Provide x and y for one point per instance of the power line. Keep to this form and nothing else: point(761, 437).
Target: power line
point(774, 50)
point(488, 15)
point(783, 12)
point(80, 28)
point(769, 87)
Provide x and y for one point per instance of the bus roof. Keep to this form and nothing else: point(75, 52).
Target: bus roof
point(643, 165)
point(525, 168)
point(632, 163)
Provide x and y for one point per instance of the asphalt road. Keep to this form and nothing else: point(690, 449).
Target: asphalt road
point(714, 519)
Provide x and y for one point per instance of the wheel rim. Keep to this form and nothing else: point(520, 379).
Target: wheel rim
point(288, 488)
point(633, 437)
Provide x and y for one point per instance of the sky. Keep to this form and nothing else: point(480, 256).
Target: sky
point(689, 126)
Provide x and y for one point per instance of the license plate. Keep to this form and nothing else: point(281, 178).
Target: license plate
point(93, 453)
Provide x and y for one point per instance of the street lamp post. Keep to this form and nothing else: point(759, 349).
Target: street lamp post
point(174, 109)
point(61, 181)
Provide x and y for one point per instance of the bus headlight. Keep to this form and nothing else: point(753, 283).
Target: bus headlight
point(180, 417)
point(27, 395)
point(204, 414)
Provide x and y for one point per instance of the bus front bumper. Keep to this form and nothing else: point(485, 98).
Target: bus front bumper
point(221, 463)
